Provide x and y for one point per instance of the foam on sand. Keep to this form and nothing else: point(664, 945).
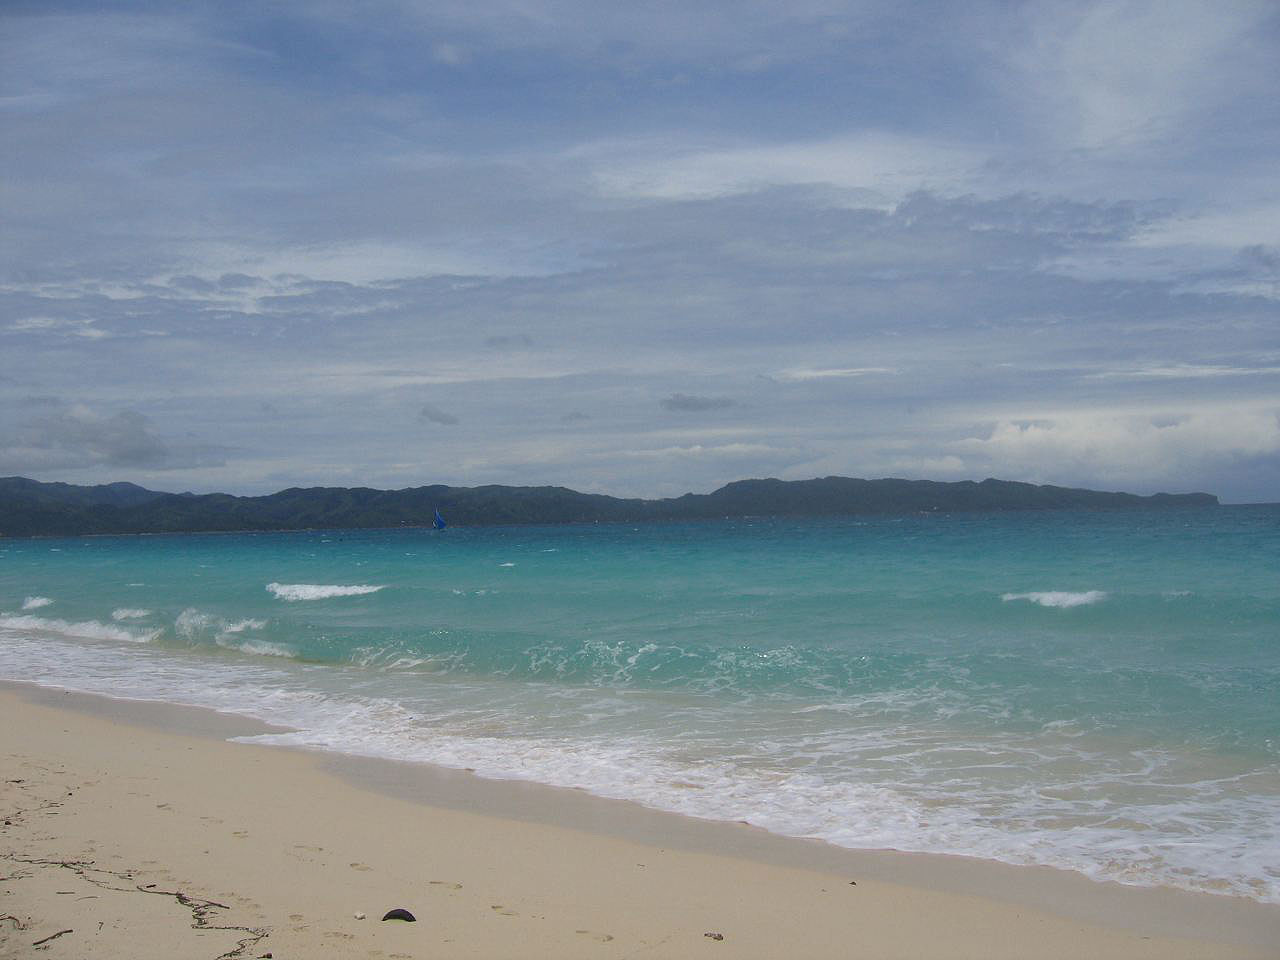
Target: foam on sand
point(319, 591)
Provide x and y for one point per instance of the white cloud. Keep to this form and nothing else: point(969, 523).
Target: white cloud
point(827, 373)
point(888, 165)
point(1253, 224)
point(1117, 73)
point(698, 450)
point(1134, 449)
point(1184, 371)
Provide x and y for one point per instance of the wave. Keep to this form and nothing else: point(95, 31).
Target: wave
point(258, 647)
point(35, 603)
point(1058, 598)
point(240, 626)
point(86, 629)
point(129, 613)
point(319, 591)
point(192, 623)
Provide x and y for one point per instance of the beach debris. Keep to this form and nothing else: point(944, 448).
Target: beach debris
point(360, 915)
point(53, 936)
point(714, 936)
point(400, 914)
point(853, 883)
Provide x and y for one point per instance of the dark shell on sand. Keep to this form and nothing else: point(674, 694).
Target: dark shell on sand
point(399, 914)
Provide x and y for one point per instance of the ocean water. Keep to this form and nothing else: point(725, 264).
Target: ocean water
point(1099, 692)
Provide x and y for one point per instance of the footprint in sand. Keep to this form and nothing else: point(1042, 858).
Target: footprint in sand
point(602, 937)
point(296, 916)
point(240, 834)
point(360, 866)
point(503, 911)
point(445, 883)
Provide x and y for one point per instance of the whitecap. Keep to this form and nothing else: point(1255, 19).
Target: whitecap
point(239, 626)
point(319, 591)
point(129, 613)
point(191, 621)
point(258, 647)
point(35, 603)
point(86, 629)
point(1058, 598)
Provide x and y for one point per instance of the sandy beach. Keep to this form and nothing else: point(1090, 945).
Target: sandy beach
point(136, 830)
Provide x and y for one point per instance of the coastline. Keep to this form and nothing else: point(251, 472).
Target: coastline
point(293, 844)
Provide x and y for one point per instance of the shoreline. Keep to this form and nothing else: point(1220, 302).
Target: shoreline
point(540, 856)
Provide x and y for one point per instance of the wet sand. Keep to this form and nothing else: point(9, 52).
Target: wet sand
point(135, 830)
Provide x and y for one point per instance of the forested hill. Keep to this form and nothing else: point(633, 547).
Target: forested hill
point(32, 508)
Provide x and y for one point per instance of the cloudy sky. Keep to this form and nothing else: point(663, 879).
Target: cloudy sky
point(641, 248)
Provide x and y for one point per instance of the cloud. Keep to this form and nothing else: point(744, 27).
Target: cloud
point(879, 228)
point(885, 165)
point(122, 439)
point(76, 435)
point(1108, 75)
point(700, 451)
point(1134, 449)
point(686, 403)
point(436, 415)
point(1186, 371)
point(509, 341)
point(827, 373)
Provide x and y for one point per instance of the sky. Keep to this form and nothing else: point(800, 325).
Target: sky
point(641, 249)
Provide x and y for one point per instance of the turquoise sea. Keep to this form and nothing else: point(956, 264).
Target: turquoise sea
point(1094, 691)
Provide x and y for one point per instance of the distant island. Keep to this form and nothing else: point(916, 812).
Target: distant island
point(30, 508)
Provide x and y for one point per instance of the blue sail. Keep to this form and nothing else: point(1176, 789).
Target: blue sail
point(438, 521)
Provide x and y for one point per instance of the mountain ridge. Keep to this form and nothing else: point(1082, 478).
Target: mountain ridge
point(30, 508)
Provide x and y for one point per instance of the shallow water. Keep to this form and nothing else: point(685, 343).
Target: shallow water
point(1093, 691)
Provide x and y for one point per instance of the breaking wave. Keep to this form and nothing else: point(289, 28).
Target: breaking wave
point(1058, 598)
point(319, 591)
point(86, 629)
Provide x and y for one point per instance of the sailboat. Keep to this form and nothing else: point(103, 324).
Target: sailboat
point(438, 521)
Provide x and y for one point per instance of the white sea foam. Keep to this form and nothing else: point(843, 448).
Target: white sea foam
point(319, 591)
point(1058, 598)
point(195, 625)
point(479, 726)
point(240, 626)
point(86, 629)
point(129, 613)
point(192, 622)
point(259, 648)
point(506, 564)
point(35, 603)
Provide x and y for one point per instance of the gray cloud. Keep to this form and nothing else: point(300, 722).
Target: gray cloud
point(435, 415)
point(565, 208)
point(121, 439)
point(687, 403)
point(509, 341)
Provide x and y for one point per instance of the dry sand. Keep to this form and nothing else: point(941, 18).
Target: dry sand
point(137, 831)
